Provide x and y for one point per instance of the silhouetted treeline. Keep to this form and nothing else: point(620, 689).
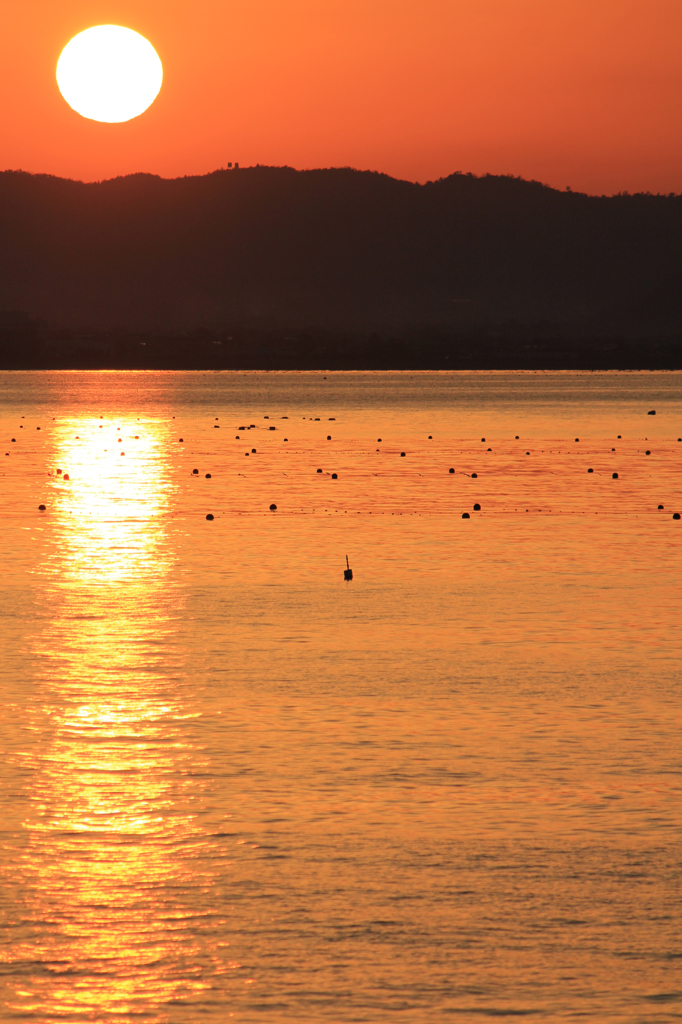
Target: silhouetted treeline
point(338, 253)
point(514, 347)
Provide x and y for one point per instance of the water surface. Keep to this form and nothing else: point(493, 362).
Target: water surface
point(236, 787)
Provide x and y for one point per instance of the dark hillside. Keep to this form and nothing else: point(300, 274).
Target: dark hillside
point(338, 251)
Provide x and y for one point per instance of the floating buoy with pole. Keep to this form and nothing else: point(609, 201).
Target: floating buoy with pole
point(347, 572)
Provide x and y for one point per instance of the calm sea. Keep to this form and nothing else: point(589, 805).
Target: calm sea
point(235, 786)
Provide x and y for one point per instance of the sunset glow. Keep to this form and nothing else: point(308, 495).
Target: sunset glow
point(569, 93)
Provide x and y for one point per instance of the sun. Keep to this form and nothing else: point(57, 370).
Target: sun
point(109, 73)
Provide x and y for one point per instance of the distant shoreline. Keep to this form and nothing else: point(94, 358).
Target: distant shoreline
point(249, 349)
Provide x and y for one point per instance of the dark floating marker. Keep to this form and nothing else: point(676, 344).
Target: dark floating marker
point(474, 476)
point(254, 452)
point(527, 453)
point(477, 507)
point(335, 476)
point(614, 476)
point(430, 437)
point(516, 437)
point(402, 455)
point(180, 440)
point(37, 428)
point(651, 412)
point(14, 440)
point(590, 471)
point(216, 426)
point(272, 428)
point(319, 471)
point(379, 439)
point(329, 437)
point(195, 472)
point(41, 508)
point(208, 476)
point(451, 471)
point(676, 515)
point(244, 428)
point(489, 449)
point(660, 506)
point(347, 572)
point(273, 508)
point(647, 452)
point(210, 517)
point(465, 515)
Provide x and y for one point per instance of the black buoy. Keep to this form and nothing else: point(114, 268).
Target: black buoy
point(402, 455)
point(430, 437)
point(195, 472)
point(451, 471)
point(272, 428)
point(614, 476)
point(14, 440)
point(489, 449)
point(590, 471)
point(516, 437)
point(253, 450)
point(335, 476)
point(651, 412)
point(273, 508)
point(676, 515)
point(180, 440)
point(319, 471)
point(208, 476)
point(465, 515)
point(483, 439)
point(41, 508)
point(378, 439)
point(347, 572)
point(647, 452)
point(619, 437)
point(477, 507)
point(329, 437)
point(216, 426)
point(660, 506)
point(210, 517)
point(474, 476)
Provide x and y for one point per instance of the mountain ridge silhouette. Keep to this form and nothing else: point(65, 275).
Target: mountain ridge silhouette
point(334, 249)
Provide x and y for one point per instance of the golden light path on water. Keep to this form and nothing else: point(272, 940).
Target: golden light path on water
point(110, 798)
point(234, 786)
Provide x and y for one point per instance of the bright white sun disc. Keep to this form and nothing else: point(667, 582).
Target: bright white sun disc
point(109, 73)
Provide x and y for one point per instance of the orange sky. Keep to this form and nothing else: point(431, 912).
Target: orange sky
point(586, 93)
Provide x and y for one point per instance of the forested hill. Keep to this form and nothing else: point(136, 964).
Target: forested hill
point(336, 250)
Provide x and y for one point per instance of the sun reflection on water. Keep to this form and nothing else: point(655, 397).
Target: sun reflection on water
point(111, 834)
